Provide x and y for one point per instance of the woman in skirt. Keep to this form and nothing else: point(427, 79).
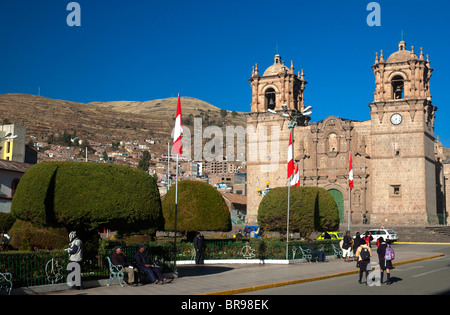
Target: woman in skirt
point(384, 264)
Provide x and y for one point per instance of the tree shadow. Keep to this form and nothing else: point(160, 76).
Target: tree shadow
point(200, 270)
point(49, 201)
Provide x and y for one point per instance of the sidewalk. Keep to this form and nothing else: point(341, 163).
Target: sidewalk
point(239, 278)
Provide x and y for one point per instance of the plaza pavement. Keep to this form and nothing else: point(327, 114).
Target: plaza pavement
point(239, 278)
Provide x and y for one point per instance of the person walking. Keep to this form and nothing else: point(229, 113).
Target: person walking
point(347, 246)
point(368, 238)
point(356, 243)
point(385, 264)
point(363, 254)
point(199, 244)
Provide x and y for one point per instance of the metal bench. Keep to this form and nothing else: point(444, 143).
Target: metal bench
point(5, 282)
point(306, 254)
point(115, 272)
point(337, 251)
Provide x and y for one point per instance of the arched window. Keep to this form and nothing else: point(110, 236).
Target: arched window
point(332, 143)
point(270, 98)
point(398, 86)
point(14, 184)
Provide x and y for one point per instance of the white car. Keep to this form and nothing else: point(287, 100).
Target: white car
point(386, 234)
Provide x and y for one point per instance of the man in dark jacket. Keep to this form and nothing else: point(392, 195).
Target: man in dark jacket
point(199, 246)
point(119, 259)
point(315, 251)
point(144, 263)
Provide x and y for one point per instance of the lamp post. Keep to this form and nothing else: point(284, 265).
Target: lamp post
point(8, 137)
point(293, 119)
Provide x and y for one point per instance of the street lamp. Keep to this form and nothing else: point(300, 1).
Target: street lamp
point(293, 120)
point(8, 136)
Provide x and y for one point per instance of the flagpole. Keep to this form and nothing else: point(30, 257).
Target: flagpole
point(177, 140)
point(287, 228)
point(349, 198)
point(289, 196)
point(176, 206)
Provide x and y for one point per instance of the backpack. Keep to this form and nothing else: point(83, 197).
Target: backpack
point(364, 254)
point(390, 254)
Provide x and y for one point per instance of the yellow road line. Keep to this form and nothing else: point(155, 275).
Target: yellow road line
point(279, 284)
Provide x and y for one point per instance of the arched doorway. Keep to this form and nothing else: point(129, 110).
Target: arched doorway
point(339, 198)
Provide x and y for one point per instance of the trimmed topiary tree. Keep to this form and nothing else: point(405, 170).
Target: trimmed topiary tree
point(200, 208)
point(311, 209)
point(88, 197)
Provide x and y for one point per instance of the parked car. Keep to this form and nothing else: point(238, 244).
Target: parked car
point(387, 234)
point(333, 235)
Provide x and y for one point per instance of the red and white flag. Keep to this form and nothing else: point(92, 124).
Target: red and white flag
point(178, 129)
point(296, 179)
point(290, 168)
point(350, 174)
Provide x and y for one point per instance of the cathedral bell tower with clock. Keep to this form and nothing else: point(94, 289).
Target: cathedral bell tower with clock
point(402, 134)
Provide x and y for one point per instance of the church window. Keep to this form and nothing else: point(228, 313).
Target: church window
point(398, 85)
point(394, 191)
point(332, 143)
point(270, 99)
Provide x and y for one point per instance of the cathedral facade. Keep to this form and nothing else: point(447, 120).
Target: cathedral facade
point(398, 166)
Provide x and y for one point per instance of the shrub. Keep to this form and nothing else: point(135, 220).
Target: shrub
point(26, 236)
point(200, 208)
point(6, 221)
point(88, 196)
point(310, 208)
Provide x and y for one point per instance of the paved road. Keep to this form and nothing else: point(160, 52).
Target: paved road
point(427, 277)
point(239, 278)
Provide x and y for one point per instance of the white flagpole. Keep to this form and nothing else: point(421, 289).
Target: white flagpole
point(176, 205)
point(349, 197)
point(287, 227)
point(289, 198)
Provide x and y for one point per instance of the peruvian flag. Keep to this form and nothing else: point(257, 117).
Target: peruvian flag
point(296, 179)
point(290, 168)
point(178, 129)
point(350, 174)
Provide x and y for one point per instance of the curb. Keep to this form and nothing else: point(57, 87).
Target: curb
point(279, 284)
point(422, 243)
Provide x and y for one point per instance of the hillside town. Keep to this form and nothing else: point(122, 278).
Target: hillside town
point(18, 154)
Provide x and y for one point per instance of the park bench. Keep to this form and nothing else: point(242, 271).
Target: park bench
point(307, 255)
point(5, 282)
point(337, 251)
point(115, 272)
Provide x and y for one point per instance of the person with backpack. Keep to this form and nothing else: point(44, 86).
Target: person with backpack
point(363, 254)
point(385, 256)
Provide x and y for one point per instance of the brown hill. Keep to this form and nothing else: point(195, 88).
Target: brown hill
point(108, 121)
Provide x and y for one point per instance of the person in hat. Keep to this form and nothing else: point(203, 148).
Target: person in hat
point(119, 259)
point(75, 251)
point(199, 245)
point(144, 263)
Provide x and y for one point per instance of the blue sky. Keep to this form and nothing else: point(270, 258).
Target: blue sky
point(139, 50)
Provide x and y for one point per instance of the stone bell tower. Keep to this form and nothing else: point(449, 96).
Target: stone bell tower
point(402, 140)
point(277, 86)
point(281, 90)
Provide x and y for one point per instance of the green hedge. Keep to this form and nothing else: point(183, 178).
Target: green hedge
point(6, 221)
point(200, 208)
point(311, 209)
point(88, 196)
